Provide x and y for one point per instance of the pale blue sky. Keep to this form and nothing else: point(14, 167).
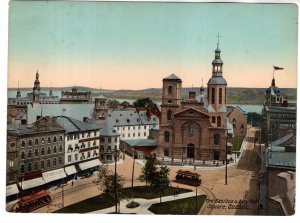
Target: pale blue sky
point(135, 45)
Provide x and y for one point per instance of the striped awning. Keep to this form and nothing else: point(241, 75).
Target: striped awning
point(32, 183)
point(89, 164)
point(70, 170)
point(11, 189)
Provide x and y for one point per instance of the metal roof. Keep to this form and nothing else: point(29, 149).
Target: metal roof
point(141, 142)
point(74, 125)
point(172, 77)
point(217, 80)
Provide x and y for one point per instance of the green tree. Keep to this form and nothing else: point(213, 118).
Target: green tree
point(143, 103)
point(157, 177)
point(106, 180)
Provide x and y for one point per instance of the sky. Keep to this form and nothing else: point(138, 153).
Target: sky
point(129, 45)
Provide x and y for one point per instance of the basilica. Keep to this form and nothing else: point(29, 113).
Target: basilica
point(194, 128)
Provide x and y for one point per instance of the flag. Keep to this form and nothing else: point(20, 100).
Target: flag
point(277, 68)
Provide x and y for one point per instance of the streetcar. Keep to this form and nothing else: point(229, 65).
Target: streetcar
point(188, 177)
point(32, 202)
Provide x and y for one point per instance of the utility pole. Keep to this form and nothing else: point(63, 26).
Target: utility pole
point(132, 171)
point(226, 158)
point(116, 199)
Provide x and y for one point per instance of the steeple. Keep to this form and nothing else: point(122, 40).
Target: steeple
point(36, 89)
point(217, 62)
point(18, 92)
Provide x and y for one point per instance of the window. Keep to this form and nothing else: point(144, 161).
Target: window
point(145, 134)
point(133, 134)
point(94, 143)
point(29, 153)
point(213, 119)
point(48, 163)
point(60, 148)
point(29, 167)
point(22, 168)
point(36, 142)
point(95, 133)
point(54, 149)
point(82, 145)
point(133, 127)
point(220, 95)
point(219, 121)
point(76, 157)
point(82, 135)
point(128, 127)
point(170, 90)
point(89, 144)
point(23, 143)
point(233, 123)
point(36, 152)
point(191, 130)
point(116, 139)
point(213, 95)
point(59, 160)
point(54, 139)
point(89, 154)
point(109, 148)
point(109, 140)
point(43, 151)
point(54, 162)
point(217, 139)
point(166, 152)
point(49, 139)
point(169, 115)
point(43, 141)
point(116, 148)
point(145, 127)
point(128, 135)
point(48, 150)
point(102, 139)
point(60, 138)
point(69, 158)
point(36, 166)
point(29, 142)
point(22, 155)
point(139, 134)
point(166, 136)
point(42, 164)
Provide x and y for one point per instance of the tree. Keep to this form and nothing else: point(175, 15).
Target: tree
point(151, 174)
point(106, 180)
point(143, 103)
point(255, 119)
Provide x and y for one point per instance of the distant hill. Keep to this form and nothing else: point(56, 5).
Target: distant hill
point(234, 95)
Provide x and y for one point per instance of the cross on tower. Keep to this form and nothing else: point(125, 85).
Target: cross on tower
point(218, 36)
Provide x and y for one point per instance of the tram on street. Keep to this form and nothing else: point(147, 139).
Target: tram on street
point(32, 202)
point(188, 177)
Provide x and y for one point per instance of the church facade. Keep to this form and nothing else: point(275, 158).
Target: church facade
point(194, 129)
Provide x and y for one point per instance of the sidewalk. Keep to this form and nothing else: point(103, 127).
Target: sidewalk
point(144, 204)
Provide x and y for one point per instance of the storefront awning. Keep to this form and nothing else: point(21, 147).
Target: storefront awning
point(11, 189)
point(89, 164)
point(32, 183)
point(70, 170)
point(54, 175)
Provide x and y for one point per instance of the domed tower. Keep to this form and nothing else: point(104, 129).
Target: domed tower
point(273, 96)
point(36, 89)
point(216, 91)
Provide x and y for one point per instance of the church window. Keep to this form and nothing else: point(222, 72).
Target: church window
point(191, 130)
point(220, 95)
point(213, 95)
point(217, 139)
point(166, 136)
point(233, 123)
point(170, 90)
point(214, 119)
point(169, 115)
point(219, 121)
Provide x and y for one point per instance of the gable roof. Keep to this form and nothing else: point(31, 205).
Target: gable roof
point(191, 109)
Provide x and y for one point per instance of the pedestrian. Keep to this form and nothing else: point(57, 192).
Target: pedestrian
point(72, 183)
point(195, 168)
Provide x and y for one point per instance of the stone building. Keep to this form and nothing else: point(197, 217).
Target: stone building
point(188, 129)
point(238, 118)
point(100, 108)
point(35, 152)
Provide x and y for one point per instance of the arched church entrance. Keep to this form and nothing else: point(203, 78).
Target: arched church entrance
point(190, 150)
